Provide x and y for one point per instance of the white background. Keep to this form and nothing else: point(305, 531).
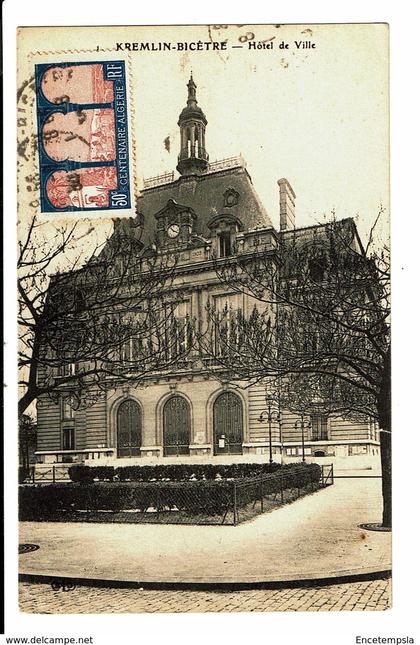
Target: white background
point(327, 628)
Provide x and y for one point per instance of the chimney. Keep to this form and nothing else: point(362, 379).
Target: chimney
point(287, 205)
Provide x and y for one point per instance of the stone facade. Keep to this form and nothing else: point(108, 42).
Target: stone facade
point(96, 427)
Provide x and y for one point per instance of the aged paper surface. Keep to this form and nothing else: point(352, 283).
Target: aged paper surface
point(163, 224)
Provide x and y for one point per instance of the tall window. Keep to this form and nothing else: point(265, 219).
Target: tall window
point(132, 350)
point(129, 429)
point(179, 331)
point(225, 244)
point(68, 438)
point(227, 332)
point(319, 424)
point(79, 301)
point(176, 426)
point(228, 424)
point(67, 410)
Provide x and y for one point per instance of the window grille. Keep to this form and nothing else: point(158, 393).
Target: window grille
point(319, 424)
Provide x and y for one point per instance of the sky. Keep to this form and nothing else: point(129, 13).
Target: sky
point(317, 116)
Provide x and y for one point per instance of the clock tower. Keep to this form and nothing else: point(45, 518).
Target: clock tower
point(193, 158)
point(175, 224)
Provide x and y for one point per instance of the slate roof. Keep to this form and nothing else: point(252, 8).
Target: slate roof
point(345, 229)
point(205, 195)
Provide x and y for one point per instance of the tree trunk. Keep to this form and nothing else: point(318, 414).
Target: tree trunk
point(384, 410)
point(385, 443)
point(25, 401)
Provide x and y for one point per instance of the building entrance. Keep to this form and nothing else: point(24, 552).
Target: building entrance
point(176, 427)
point(128, 429)
point(228, 424)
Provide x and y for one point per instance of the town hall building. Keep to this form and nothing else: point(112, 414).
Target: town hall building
point(190, 413)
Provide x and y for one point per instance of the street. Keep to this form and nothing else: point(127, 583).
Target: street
point(374, 595)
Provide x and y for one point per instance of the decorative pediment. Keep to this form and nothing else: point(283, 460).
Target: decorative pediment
point(174, 212)
point(225, 219)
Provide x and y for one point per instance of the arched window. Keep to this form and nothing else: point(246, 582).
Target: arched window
point(228, 424)
point(128, 429)
point(176, 427)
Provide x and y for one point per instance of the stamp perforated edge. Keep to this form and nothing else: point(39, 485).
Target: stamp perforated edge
point(28, 207)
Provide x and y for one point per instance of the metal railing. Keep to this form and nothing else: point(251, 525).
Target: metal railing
point(214, 166)
point(229, 162)
point(51, 474)
point(159, 180)
point(327, 475)
point(268, 492)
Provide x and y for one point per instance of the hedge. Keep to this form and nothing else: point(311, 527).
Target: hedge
point(171, 472)
point(55, 501)
point(292, 476)
point(80, 473)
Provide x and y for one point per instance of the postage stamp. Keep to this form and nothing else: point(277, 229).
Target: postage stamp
point(82, 130)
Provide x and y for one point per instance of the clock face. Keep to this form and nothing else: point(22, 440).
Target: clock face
point(173, 230)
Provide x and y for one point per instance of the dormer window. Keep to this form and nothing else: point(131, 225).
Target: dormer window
point(317, 267)
point(225, 244)
point(224, 229)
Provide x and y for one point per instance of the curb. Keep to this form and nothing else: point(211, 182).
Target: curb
point(205, 586)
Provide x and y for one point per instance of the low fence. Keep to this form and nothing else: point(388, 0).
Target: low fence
point(327, 475)
point(226, 502)
point(268, 492)
point(44, 474)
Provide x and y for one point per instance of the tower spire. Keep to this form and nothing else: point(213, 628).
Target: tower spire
point(192, 87)
point(192, 122)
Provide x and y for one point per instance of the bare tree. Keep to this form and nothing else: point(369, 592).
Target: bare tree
point(27, 440)
point(110, 317)
point(321, 308)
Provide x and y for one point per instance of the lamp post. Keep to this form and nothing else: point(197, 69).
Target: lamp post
point(271, 416)
point(303, 426)
point(280, 437)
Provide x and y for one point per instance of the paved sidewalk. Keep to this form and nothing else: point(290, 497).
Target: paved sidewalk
point(316, 537)
point(371, 595)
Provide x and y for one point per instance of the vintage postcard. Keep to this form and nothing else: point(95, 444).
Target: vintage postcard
point(204, 318)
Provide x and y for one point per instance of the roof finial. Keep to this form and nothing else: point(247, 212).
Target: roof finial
point(192, 99)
